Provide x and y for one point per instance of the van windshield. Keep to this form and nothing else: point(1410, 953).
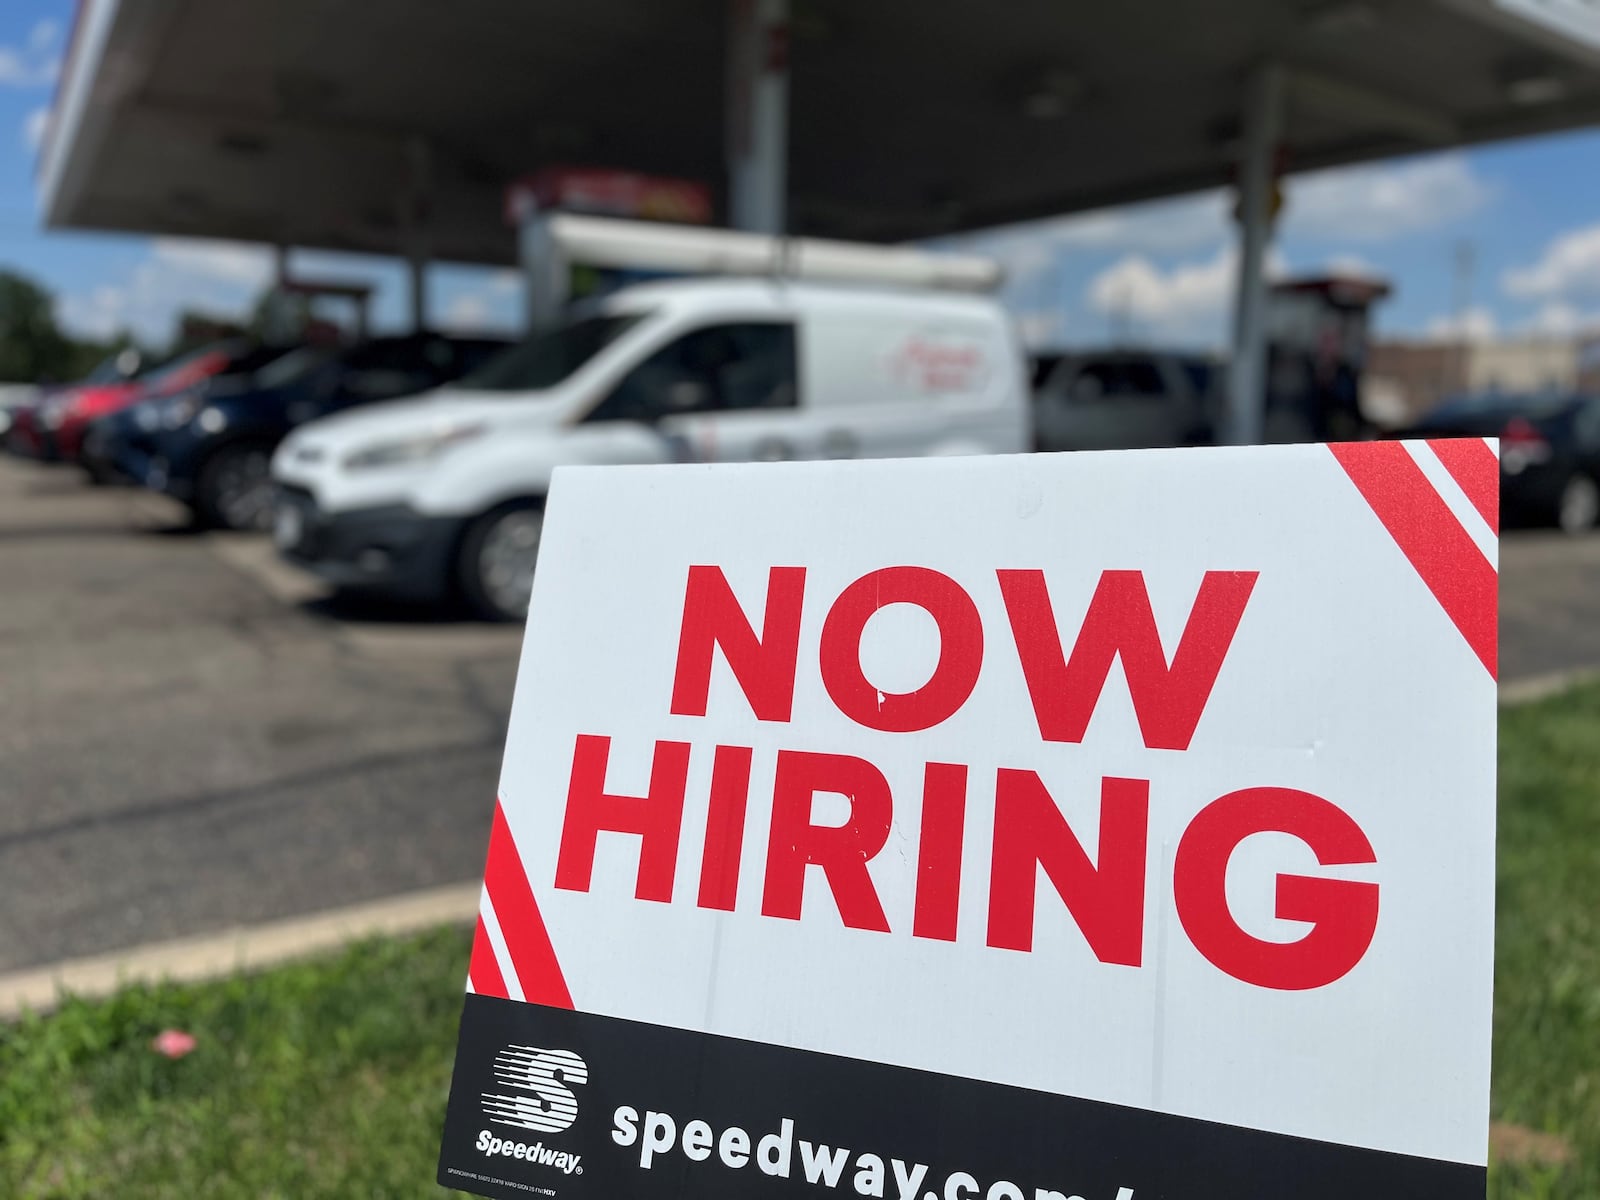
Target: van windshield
point(545, 359)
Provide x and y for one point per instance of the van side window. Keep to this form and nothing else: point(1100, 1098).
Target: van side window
point(721, 368)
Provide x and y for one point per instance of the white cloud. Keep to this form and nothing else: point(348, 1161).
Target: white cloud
point(1559, 319)
point(1569, 266)
point(1188, 302)
point(237, 263)
point(19, 71)
point(35, 63)
point(1039, 257)
point(42, 37)
point(34, 127)
point(468, 312)
point(1163, 226)
point(1135, 287)
point(98, 314)
point(217, 278)
point(1352, 266)
point(1475, 324)
point(474, 300)
point(1377, 202)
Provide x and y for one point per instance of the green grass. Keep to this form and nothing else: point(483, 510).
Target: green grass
point(328, 1078)
point(322, 1079)
point(1547, 941)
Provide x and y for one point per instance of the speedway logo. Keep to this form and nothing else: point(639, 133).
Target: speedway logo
point(494, 1147)
point(542, 1102)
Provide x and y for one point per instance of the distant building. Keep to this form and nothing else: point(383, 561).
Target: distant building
point(1412, 377)
point(1408, 378)
point(1543, 364)
point(1589, 364)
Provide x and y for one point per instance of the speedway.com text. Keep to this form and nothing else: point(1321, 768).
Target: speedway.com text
point(775, 1153)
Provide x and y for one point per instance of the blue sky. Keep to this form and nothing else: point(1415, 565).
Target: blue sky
point(1526, 215)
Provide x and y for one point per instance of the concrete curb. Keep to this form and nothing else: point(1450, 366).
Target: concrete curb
point(245, 948)
point(1541, 687)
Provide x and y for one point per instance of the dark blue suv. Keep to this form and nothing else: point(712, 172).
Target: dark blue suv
point(211, 446)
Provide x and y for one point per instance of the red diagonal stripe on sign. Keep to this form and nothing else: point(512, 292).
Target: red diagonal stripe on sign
point(1428, 534)
point(484, 970)
point(533, 958)
point(1476, 471)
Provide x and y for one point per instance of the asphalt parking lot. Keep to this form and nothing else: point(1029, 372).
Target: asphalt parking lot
point(187, 744)
point(192, 737)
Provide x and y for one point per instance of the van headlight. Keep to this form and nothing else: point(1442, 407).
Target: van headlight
point(413, 449)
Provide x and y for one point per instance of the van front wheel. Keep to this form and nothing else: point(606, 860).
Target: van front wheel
point(233, 489)
point(495, 563)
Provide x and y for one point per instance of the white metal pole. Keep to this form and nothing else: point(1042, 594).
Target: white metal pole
point(1247, 383)
point(758, 114)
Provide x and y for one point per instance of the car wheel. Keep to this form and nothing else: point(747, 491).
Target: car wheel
point(1578, 510)
point(495, 563)
point(234, 489)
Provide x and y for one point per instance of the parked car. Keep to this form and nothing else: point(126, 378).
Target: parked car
point(14, 397)
point(1549, 452)
point(67, 418)
point(1127, 399)
point(209, 445)
point(1040, 367)
point(34, 421)
point(444, 493)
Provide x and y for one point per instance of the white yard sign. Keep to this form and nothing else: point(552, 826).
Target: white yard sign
point(1114, 826)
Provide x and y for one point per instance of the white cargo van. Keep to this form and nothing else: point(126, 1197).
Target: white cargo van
point(442, 494)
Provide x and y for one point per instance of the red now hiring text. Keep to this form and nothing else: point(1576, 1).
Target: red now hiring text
point(1103, 888)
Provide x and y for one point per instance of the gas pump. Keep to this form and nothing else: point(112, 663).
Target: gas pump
point(1317, 330)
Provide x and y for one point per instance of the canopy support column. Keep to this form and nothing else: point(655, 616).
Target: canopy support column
point(1247, 382)
point(758, 114)
point(417, 213)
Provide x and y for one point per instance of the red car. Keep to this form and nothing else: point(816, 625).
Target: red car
point(66, 415)
point(27, 431)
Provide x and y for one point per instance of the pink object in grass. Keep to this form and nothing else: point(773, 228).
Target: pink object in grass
point(174, 1043)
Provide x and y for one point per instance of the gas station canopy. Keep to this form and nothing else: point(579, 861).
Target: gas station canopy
point(369, 126)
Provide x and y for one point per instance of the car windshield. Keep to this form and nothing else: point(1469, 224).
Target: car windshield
point(191, 368)
point(294, 366)
point(115, 368)
point(545, 359)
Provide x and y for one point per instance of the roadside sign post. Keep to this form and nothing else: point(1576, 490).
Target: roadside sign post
point(1114, 826)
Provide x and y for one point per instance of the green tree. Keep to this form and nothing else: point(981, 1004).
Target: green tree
point(32, 348)
point(87, 355)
